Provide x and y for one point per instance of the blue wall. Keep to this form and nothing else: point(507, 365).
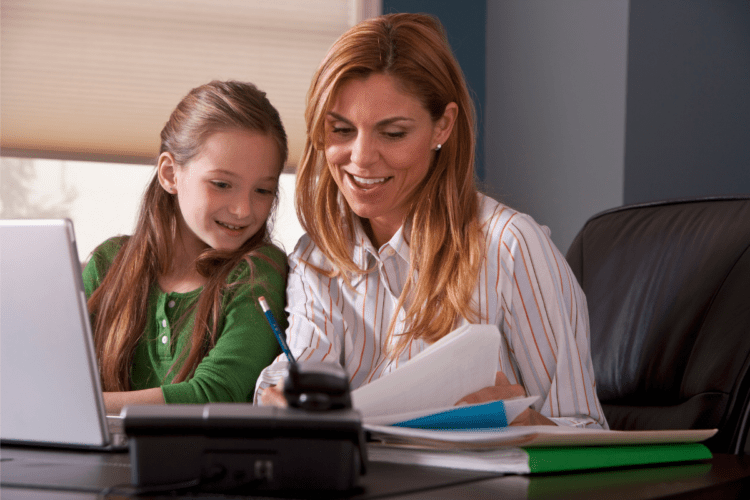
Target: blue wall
point(688, 106)
point(593, 104)
point(555, 109)
point(465, 24)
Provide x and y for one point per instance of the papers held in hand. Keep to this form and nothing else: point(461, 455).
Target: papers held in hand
point(423, 391)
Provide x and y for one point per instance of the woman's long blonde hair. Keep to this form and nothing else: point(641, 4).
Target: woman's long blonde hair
point(119, 305)
point(446, 242)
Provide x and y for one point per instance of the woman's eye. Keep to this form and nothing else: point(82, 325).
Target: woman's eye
point(221, 184)
point(342, 130)
point(395, 135)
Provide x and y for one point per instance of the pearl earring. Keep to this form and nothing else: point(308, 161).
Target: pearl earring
point(437, 148)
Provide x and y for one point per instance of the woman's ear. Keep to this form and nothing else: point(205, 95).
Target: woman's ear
point(166, 168)
point(444, 124)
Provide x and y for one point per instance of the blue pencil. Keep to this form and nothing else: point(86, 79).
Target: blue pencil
point(276, 330)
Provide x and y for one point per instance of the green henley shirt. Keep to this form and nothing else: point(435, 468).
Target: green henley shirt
point(245, 344)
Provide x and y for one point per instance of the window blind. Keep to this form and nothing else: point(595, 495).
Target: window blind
point(96, 80)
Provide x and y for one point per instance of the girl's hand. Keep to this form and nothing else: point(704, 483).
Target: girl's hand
point(503, 389)
point(274, 396)
point(114, 402)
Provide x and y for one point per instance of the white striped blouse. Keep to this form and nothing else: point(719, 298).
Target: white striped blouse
point(525, 288)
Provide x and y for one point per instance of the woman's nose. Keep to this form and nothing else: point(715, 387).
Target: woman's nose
point(364, 150)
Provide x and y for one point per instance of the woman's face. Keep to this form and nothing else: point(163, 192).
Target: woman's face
point(379, 144)
point(226, 192)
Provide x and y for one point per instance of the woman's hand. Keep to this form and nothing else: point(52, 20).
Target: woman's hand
point(503, 389)
point(274, 395)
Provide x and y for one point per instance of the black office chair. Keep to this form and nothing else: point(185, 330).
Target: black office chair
point(668, 289)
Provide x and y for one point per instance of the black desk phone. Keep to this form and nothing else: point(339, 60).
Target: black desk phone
point(317, 443)
point(317, 386)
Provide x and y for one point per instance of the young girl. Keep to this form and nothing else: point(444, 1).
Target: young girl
point(174, 307)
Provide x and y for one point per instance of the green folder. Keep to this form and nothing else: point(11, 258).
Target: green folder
point(536, 460)
point(562, 458)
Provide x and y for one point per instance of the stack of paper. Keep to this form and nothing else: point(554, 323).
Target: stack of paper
point(524, 450)
point(529, 436)
point(513, 460)
point(410, 417)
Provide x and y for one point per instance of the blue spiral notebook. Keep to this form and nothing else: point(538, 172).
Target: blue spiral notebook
point(478, 416)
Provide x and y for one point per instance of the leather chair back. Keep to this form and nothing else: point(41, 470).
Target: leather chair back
point(668, 289)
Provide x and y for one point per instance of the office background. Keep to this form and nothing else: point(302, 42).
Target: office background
point(587, 104)
point(584, 105)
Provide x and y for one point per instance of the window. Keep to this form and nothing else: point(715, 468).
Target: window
point(87, 86)
point(103, 199)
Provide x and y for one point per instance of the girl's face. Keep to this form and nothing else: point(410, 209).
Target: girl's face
point(379, 144)
point(226, 192)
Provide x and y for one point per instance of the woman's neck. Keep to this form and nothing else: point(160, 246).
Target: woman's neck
point(379, 233)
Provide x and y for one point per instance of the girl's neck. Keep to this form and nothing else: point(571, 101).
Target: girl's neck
point(182, 275)
point(181, 282)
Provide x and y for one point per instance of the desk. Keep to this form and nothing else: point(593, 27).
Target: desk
point(30, 473)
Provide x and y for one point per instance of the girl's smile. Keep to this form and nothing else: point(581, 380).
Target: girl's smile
point(226, 192)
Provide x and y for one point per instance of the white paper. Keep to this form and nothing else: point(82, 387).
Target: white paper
point(513, 408)
point(460, 363)
point(537, 435)
point(509, 460)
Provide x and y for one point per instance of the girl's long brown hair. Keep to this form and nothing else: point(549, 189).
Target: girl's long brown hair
point(446, 242)
point(119, 305)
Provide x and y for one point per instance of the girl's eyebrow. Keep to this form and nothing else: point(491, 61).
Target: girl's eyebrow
point(232, 174)
point(222, 171)
point(381, 123)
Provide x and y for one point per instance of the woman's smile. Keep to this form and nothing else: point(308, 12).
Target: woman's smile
point(369, 181)
point(379, 146)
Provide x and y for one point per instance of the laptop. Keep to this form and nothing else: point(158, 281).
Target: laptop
point(50, 390)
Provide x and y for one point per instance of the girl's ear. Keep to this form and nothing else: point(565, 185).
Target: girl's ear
point(444, 124)
point(166, 168)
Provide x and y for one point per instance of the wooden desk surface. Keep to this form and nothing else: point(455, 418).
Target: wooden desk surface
point(61, 475)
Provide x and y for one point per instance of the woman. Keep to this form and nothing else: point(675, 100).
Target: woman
point(401, 248)
point(174, 307)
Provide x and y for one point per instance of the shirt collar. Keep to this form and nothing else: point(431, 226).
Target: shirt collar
point(364, 250)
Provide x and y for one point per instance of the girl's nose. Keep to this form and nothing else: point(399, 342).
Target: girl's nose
point(241, 207)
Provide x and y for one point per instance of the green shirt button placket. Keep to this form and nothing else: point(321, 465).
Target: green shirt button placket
point(163, 328)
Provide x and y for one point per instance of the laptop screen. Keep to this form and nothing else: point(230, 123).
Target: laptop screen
point(49, 382)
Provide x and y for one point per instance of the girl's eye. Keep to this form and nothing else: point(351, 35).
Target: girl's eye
point(221, 184)
point(265, 191)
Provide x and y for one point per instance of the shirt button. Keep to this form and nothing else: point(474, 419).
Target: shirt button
point(391, 252)
point(164, 339)
point(164, 323)
point(171, 303)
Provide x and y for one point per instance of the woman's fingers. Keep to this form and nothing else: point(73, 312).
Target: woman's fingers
point(502, 389)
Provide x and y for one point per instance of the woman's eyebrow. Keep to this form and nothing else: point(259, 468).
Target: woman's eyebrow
point(337, 116)
point(381, 123)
